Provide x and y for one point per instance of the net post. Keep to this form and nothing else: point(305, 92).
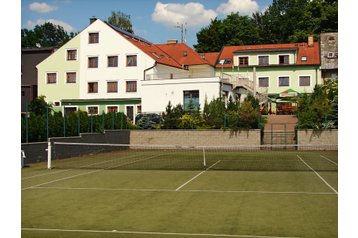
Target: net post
point(204, 158)
point(49, 155)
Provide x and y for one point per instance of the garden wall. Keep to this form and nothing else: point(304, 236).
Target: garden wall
point(195, 137)
point(314, 137)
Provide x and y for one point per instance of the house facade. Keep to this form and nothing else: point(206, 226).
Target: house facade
point(329, 55)
point(30, 57)
point(105, 69)
point(275, 73)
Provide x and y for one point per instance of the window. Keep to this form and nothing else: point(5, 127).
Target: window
point(92, 62)
point(131, 86)
point(68, 110)
point(131, 60)
point(51, 78)
point(71, 77)
point(92, 110)
point(71, 54)
point(305, 81)
point(283, 81)
point(304, 58)
point(112, 109)
point(263, 82)
point(283, 59)
point(191, 100)
point(263, 60)
point(243, 61)
point(93, 87)
point(93, 38)
point(112, 87)
point(112, 61)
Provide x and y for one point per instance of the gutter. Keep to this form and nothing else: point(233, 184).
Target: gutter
point(155, 64)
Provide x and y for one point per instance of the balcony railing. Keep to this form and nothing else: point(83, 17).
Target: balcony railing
point(179, 75)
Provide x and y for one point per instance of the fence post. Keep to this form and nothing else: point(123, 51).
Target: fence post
point(79, 123)
point(46, 121)
point(27, 122)
point(64, 125)
point(49, 155)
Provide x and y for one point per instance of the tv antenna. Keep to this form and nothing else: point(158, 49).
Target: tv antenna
point(183, 30)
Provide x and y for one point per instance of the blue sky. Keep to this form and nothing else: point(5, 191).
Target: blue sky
point(151, 19)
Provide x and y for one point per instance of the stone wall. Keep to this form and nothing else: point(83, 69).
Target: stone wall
point(313, 137)
point(195, 137)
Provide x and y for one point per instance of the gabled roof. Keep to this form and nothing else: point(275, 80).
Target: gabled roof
point(302, 49)
point(147, 47)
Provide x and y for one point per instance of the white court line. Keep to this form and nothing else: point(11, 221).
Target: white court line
point(95, 171)
point(151, 233)
point(45, 174)
point(196, 176)
point(187, 190)
point(318, 175)
point(324, 157)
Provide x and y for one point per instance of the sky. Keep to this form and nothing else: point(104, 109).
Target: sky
point(153, 20)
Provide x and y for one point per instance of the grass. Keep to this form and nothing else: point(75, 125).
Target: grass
point(145, 203)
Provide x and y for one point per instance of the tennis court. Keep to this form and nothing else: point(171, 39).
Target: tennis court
point(182, 192)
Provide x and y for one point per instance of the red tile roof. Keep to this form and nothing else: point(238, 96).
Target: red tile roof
point(183, 54)
point(211, 57)
point(312, 53)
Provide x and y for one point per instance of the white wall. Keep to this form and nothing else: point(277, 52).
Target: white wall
point(111, 43)
point(157, 93)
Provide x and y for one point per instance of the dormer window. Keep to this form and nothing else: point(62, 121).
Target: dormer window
point(304, 58)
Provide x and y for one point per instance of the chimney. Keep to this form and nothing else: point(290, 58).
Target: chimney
point(93, 19)
point(310, 41)
point(170, 42)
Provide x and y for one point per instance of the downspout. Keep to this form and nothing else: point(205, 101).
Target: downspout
point(155, 64)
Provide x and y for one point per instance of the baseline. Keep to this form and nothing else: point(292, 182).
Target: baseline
point(150, 233)
point(186, 190)
point(318, 175)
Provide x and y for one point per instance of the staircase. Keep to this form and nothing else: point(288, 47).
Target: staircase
point(279, 130)
point(238, 81)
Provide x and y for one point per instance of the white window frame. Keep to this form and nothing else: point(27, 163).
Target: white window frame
point(258, 81)
point(51, 72)
point(71, 71)
point(125, 60)
point(92, 82)
point(281, 76)
point(67, 54)
point(110, 67)
point(125, 85)
point(112, 106)
point(304, 75)
point(242, 56)
point(112, 81)
point(63, 108)
point(258, 60)
point(278, 59)
point(88, 106)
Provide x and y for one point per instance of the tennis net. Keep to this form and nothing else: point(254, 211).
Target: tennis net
point(164, 157)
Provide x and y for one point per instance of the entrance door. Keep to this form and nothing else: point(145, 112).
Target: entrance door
point(130, 112)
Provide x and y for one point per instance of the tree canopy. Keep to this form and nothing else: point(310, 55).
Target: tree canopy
point(46, 35)
point(121, 20)
point(282, 22)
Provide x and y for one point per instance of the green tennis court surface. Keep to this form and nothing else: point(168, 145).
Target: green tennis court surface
point(287, 194)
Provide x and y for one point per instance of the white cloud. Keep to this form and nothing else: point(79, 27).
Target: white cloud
point(67, 27)
point(41, 7)
point(244, 7)
point(194, 14)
